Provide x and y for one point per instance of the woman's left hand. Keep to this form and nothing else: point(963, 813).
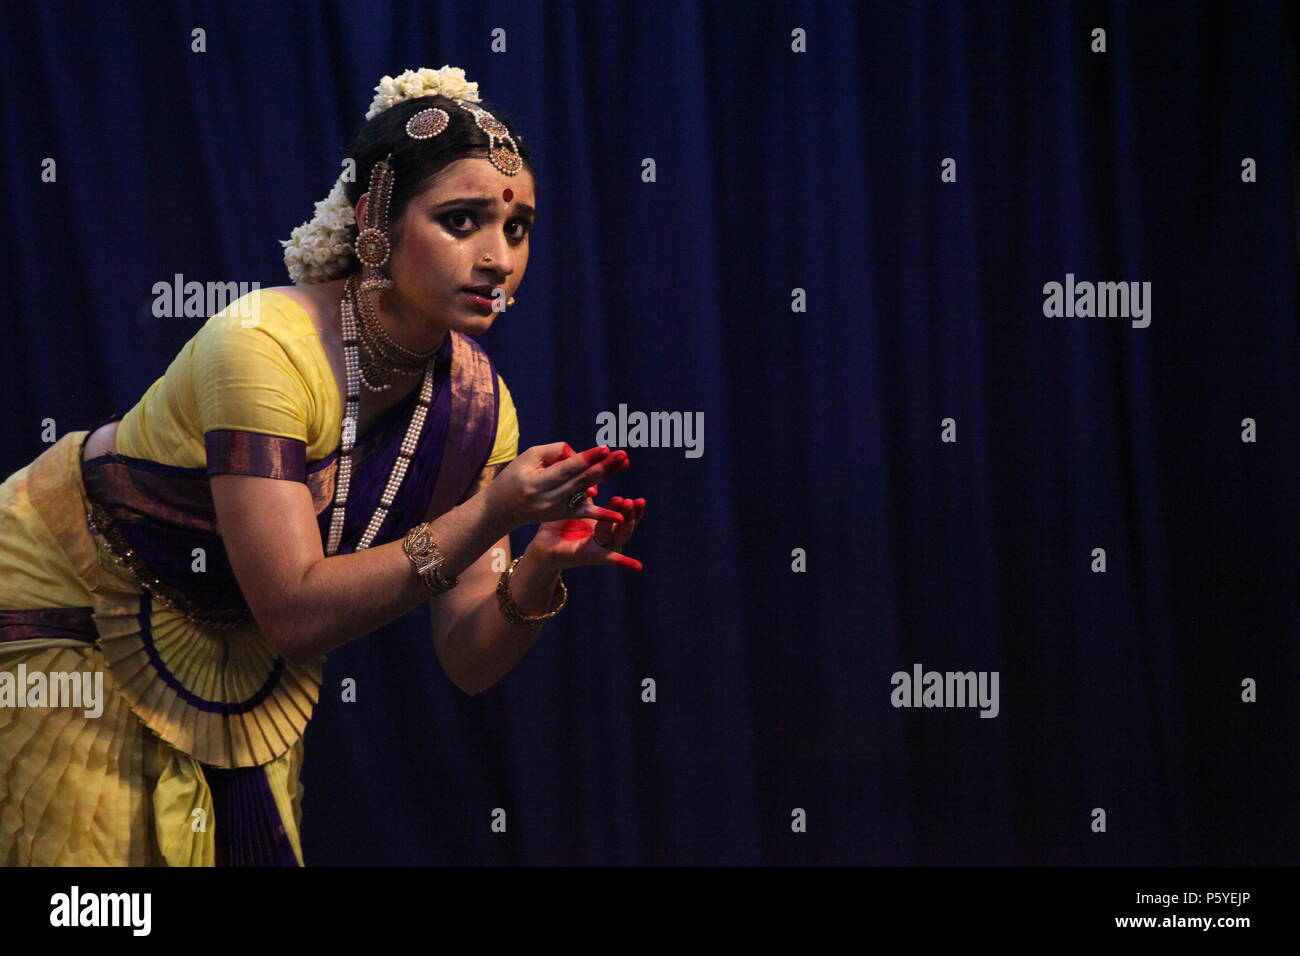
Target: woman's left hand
point(573, 542)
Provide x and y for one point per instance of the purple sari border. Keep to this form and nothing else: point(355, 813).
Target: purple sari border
point(471, 432)
point(496, 418)
point(178, 471)
point(235, 452)
point(75, 623)
point(145, 464)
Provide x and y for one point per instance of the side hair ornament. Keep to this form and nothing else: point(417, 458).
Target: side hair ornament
point(321, 249)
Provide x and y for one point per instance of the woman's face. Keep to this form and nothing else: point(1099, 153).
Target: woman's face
point(472, 209)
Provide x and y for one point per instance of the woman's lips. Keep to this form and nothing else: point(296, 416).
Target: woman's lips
point(480, 302)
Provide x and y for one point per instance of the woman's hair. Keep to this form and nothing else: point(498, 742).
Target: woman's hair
point(416, 162)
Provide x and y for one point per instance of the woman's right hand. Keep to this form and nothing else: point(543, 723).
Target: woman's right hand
point(537, 484)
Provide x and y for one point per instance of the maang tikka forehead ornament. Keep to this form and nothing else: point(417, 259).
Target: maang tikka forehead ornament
point(427, 124)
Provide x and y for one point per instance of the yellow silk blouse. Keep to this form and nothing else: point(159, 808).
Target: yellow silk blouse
point(258, 365)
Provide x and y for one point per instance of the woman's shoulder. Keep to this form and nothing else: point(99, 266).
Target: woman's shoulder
point(266, 329)
point(261, 319)
point(276, 309)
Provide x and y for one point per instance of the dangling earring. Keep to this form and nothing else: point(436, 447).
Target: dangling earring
point(372, 246)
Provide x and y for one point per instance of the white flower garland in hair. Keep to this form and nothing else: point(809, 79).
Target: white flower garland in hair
point(320, 250)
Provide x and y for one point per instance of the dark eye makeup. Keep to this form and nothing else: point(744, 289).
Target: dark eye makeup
point(447, 219)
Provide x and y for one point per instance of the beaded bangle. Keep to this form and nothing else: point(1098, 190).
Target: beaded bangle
point(511, 610)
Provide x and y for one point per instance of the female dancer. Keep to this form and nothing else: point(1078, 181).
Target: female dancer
point(317, 460)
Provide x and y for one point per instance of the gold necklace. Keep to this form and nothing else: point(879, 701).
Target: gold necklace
point(384, 356)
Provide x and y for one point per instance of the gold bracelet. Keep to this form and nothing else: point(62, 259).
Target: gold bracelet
point(427, 559)
point(511, 610)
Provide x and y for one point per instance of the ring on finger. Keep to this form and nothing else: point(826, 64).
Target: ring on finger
point(576, 500)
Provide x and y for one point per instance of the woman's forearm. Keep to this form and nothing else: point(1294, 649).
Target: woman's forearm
point(347, 596)
point(484, 646)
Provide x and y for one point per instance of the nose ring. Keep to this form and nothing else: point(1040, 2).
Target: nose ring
point(487, 257)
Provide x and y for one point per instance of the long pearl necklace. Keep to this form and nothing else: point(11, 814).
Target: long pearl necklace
point(352, 363)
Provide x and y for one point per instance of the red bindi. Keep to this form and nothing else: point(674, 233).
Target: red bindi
point(507, 195)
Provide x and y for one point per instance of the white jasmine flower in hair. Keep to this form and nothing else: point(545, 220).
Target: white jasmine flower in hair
point(449, 81)
point(319, 250)
point(335, 210)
